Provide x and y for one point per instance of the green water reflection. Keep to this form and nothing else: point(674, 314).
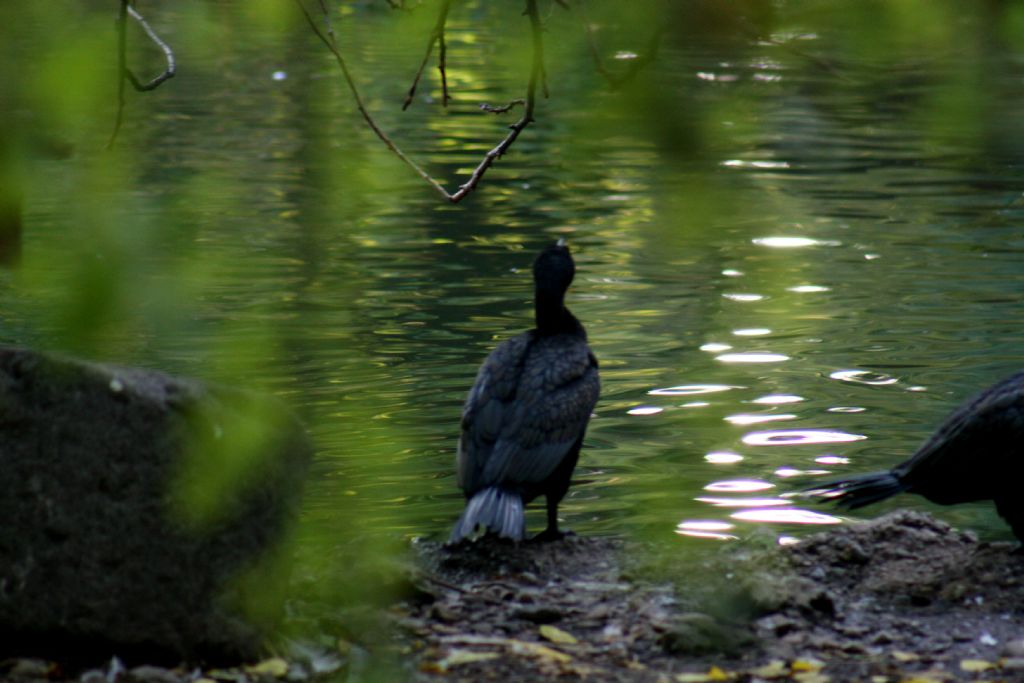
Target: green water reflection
point(786, 270)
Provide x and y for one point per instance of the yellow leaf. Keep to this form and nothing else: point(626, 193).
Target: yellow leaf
point(807, 665)
point(901, 656)
point(693, 678)
point(773, 669)
point(274, 667)
point(975, 665)
point(557, 635)
point(716, 674)
point(522, 647)
point(457, 657)
point(810, 677)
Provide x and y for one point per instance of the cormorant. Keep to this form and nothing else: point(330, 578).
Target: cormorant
point(525, 416)
point(976, 454)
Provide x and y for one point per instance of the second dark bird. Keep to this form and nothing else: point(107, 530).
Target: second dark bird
point(524, 419)
point(976, 454)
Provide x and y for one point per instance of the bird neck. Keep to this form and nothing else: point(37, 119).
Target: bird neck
point(551, 315)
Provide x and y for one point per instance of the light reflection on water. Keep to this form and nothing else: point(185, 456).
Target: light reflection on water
point(799, 437)
point(849, 263)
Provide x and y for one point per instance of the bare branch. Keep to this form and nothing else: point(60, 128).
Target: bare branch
point(168, 53)
point(536, 74)
point(536, 70)
point(126, 74)
point(635, 65)
point(331, 43)
point(122, 42)
point(490, 109)
point(436, 36)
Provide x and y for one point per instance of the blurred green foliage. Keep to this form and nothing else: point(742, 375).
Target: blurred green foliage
point(248, 227)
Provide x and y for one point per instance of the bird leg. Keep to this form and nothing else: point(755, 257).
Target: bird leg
point(551, 533)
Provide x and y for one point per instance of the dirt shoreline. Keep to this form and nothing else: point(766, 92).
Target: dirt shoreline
point(901, 598)
point(904, 598)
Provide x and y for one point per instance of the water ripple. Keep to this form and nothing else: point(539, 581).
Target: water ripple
point(644, 410)
point(743, 502)
point(706, 528)
point(747, 419)
point(863, 377)
point(751, 357)
point(798, 437)
point(739, 486)
point(778, 399)
point(690, 389)
point(785, 516)
point(792, 242)
point(723, 457)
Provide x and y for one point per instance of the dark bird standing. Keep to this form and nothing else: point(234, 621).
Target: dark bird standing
point(976, 454)
point(524, 418)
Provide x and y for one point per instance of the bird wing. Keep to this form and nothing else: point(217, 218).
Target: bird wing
point(486, 408)
point(557, 391)
point(978, 443)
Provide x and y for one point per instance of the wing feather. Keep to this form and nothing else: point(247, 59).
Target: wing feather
point(523, 418)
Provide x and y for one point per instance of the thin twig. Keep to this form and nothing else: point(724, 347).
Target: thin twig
point(442, 56)
point(122, 43)
point(168, 53)
point(635, 65)
point(332, 45)
point(536, 69)
point(442, 583)
point(491, 109)
point(436, 36)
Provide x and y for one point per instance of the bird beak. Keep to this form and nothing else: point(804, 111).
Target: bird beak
point(561, 242)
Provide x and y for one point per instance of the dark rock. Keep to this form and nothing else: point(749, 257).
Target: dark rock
point(101, 552)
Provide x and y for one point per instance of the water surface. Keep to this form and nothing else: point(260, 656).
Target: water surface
point(805, 291)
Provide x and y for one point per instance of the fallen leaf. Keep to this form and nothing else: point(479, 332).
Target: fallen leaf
point(901, 656)
point(274, 667)
point(807, 665)
point(1012, 663)
point(773, 669)
point(693, 678)
point(811, 677)
point(457, 657)
point(521, 647)
point(929, 677)
point(557, 635)
point(975, 665)
point(716, 674)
